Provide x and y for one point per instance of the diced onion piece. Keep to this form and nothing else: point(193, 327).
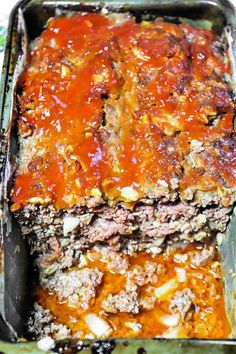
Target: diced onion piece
point(100, 78)
point(129, 193)
point(46, 343)
point(169, 320)
point(65, 71)
point(37, 200)
point(82, 261)
point(174, 332)
point(162, 291)
point(98, 326)
point(95, 192)
point(162, 183)
point(104, 11)
point(181, 274)
point(139, 54)
point(136, 327)
point(52, 43)
point(69, 224)
point(155, 250)
point(180, 258)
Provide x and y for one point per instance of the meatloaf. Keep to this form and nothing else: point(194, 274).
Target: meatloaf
point(126, 135)
point(126, 143)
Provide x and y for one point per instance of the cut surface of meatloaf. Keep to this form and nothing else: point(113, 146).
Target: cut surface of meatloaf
point(60, 235)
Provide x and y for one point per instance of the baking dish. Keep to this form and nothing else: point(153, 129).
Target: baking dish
point(27, 21)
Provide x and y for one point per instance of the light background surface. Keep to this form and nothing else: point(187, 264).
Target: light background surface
point(5, 9)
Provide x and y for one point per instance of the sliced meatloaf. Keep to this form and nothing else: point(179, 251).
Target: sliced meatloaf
point(126, 135)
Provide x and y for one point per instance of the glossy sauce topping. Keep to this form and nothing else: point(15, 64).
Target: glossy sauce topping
point(204, 318)
point(108, 104)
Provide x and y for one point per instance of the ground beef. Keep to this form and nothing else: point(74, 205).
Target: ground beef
point(53, 252)
point(115, 262)
point(142, 275)
point(76, 286)
point(144, 228)
point(102, 229)
point(209, 161)
point(182, 302)
point(125, 301)
point(70, 252)
point(41, 323)
point(199, 259)
point(218, 217)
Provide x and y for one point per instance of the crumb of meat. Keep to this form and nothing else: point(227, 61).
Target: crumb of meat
point(76, 286)
point(125, 301)
point(116, 262)
point(199, 259)
point(39, 218)
point(41, 324)
point(218, 217)
point(53, 254)
point(182, 302)
point(142, 275)
point(102, 229)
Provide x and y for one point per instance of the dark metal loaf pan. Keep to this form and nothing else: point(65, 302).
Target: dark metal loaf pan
point(27, 21)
